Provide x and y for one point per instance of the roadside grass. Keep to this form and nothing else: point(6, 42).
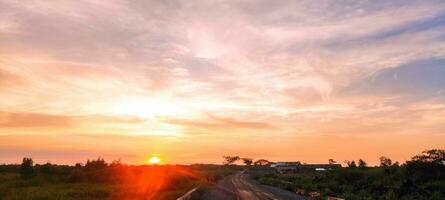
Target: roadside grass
point(108, 182)
point(17, 189)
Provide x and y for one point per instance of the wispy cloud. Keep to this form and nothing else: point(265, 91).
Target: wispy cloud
point(264, 68)
point(216, 124)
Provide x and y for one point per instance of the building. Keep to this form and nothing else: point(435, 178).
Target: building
point(320, 167)
point(334, 198)
point(292, 167)
point(285, 164)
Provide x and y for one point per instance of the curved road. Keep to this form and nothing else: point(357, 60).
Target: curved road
point(240, 186)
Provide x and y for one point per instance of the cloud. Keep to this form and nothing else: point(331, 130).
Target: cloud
point(34, 121)
point(7, 79)
point(266, 68)
point(213, 123)
point(285, 49)
point(413, 81)
point(20, 120)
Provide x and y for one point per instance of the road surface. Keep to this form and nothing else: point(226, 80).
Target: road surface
point(241, 187)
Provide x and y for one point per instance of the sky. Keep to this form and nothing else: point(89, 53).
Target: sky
point(191, 81)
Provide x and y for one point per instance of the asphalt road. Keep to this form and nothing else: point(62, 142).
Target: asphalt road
point(241, 187)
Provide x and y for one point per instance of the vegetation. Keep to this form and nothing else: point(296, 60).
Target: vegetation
point(332, 161)
point(262, 162)
point(98, 179)
point(230, 160)
point(247, 161)
point(26, 169)
point(423, 177)
point(361, 163)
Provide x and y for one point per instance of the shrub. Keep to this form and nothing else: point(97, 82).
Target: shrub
point(26, 168)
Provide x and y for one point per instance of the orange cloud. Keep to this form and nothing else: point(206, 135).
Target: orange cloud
point(216, 123)
point(23, 120)
point(271, 73)
point(7, 79)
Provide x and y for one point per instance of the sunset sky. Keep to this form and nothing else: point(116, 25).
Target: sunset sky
point(190, 81)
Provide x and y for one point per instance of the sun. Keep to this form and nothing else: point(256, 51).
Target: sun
point(154, 160)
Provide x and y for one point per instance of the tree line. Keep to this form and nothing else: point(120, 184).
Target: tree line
point(230, 160)
point(421, 177)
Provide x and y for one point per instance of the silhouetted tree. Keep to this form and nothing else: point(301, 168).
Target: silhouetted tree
point(96, 164)
point(427, 167)
point(350, 163)
point(229, 160)
point(385, 161)
point(26, 169)
point(361, 163)
point(436, 156)
point(115, 163)
point(262, 162)
point(247, 161)
point(47, 168)
point(331, 161)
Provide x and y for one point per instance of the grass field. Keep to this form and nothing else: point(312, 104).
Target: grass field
point(105, 181)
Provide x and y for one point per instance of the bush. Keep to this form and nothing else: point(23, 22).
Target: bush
point(26, 169)
point(423, 177)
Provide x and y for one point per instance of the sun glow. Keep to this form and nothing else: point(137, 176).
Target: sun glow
point(154, 160)
point(147, 108)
